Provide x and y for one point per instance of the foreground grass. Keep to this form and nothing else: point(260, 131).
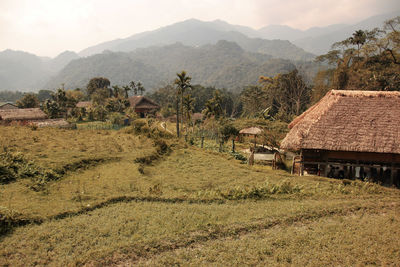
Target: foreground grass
point(137, 230)
point(183, 206)
point(355, 239)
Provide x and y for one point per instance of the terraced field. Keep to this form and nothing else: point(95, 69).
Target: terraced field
point(117, 199)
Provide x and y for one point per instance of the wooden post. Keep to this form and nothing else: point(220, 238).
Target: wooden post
point(202, 141)
point(233, 145)
point(301, 163)
point(392, 174)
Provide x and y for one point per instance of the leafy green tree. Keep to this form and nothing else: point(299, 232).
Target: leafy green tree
point(188, 107)
point(213, 107)
point(254, 100)
point(96, 84)
point(29, 100)
point(368, 60)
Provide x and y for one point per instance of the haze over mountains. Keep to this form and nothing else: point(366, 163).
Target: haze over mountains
point(192, 45)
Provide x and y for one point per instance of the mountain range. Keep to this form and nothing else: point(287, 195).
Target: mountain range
point(133, 58)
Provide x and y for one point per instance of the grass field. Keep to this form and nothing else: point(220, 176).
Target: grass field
point(190, 206)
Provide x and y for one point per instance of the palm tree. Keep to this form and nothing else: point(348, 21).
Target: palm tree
point(126, 89)
point(140, 88)
point(182, 83)
point(134, 87)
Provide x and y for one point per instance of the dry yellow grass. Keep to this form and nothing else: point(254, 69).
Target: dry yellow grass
point(178, 211)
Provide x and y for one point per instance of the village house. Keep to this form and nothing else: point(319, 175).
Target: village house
point(7, 105)
point(349, 134)
point(143, 105)
point(21, 116)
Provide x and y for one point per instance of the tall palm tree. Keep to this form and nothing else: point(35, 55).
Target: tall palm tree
point(140, 88)
point(132, 84)
point(126, 89)
point(182, 83)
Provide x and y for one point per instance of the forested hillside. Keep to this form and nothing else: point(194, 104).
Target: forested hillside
point(224, 65)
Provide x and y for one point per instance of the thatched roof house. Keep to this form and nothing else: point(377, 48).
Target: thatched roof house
point(143, 104)
point(21, 115)
point(349, 128)
point(7, 106)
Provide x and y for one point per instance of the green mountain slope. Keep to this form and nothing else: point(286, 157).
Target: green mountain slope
point(224, 64)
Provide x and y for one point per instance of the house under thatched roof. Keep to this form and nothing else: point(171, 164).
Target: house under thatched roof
point(142, 104)
point(26, 114)
point(251, 131)
point(353, 128)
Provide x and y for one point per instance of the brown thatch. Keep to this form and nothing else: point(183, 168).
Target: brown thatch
point(22, 114)
point(251, 131)
point(56, 123)
point(142, 102)
point(83, 104)
point(359, 121)
point(7, 105)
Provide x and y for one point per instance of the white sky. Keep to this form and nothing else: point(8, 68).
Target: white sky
point(49, 27)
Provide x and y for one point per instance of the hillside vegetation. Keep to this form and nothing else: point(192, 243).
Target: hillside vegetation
point(224, 65)
point(120, 198)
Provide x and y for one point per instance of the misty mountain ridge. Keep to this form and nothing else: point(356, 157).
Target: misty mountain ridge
point(24, 71)
point(194, 32)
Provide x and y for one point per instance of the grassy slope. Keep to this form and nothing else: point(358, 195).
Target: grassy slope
point(177, 208)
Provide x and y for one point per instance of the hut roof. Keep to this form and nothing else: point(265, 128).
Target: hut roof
point(22, 114)
point(142, 102)
point(251, 130)
point(359, 121)
point(7, 105)
point(83, 104)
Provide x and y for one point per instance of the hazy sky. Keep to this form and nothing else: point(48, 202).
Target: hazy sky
point(49, 27)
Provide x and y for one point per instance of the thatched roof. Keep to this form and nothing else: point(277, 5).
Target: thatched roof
point(142, 102)
point(359, 121)
point(83, 104)
point(22, 114)
point(7, 105)
point(251, 131)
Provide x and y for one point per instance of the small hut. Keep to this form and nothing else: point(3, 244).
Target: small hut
point(143, 105)
point(349, 134)
point(7, 105)
point(21, 116)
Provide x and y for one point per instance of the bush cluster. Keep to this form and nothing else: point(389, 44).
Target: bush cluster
point(15, 166)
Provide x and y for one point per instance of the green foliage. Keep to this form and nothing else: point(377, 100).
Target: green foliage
point(15, 166)
point(221, 65)
point(29, 100)
point(96, 84)
point(367, 60)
